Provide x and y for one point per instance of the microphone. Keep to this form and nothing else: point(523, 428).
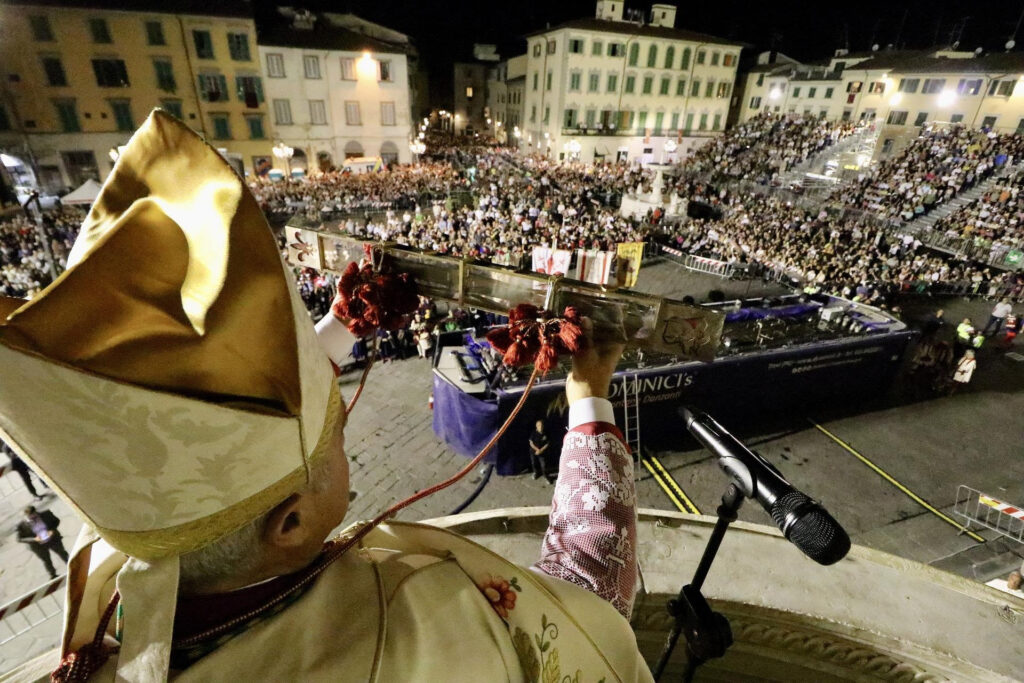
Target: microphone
point(802, 521)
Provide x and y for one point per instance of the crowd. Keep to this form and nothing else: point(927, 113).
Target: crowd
point(937, 165)
point(766, 146)
point(24, 269)
point(993, 223)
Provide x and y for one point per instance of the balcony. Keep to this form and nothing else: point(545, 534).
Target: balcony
point(607, 131)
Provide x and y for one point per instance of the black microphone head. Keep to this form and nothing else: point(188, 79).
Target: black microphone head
point(811, 528)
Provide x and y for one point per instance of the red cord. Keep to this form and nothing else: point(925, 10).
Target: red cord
point(366, 373)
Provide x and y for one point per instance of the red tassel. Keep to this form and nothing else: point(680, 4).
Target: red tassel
point(547, 358)
point(500, 338)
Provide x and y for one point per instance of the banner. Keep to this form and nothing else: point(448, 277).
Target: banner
point(551, 261)
point(594, 266)
point(628, 269)
point(303, 248)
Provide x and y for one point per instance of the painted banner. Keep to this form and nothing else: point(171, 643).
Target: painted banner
point(594, 266)
point(551, 261)
point(304, 248)
point(628, 269)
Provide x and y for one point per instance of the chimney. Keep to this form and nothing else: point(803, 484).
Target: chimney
point(610, 10)
point(663, 15)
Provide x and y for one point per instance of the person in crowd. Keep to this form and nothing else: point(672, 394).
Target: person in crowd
point(1012, 329)
point(997, 318)
point(539, 443)
point(965, 334)
point(24, 471)
point(964, 371)
point(38, 529)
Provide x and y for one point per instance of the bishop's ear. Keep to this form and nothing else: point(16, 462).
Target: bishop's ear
point(288, 525)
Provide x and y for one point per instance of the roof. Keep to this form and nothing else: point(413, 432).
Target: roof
point(996, 63)
point(630, 29)
point(221, 8)
point(323, 36)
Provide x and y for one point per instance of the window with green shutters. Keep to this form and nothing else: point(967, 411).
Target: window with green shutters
point(67, 114)
point(703, 121)
point(100, 31)
point(221, 126)
point(652, 56)
point(666, 83)
point(634, 54)
point(648, 84)
point(203, 43)
point(110, 73)
point(569, 120)
point(630, 84)
point(689, 123)
point(122, 114)
point(685, 62)
point(594, 82)
point(54, 71)
point(574, 81)
point(213, 88)
point(681, 87)
point(164, 75)
point(41, 30)
point(670, 56)
point(173, 107)
point(255, 124)
point(155, 33)
point(591, 118)
point(238, 46)
point(709, 89)
point(613, 83)
point(695, 88)
point(717, 123)
point(250, 90)
point(675, 121)
point(659, 121)
point(641, 120)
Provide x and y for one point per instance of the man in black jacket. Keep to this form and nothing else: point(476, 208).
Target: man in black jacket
point(39, 531)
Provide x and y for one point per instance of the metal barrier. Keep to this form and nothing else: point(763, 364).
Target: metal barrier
point(21, 615)
point(977, 508)
point(700, 264)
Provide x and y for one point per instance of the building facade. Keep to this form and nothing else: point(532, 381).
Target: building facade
point(472, 99)
point(334, 93)
point(78, 77)
point(635, 88)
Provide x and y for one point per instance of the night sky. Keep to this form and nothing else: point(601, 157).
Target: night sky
point(444, 30)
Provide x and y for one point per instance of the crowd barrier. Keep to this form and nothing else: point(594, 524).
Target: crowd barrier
point(700, 264)
point(26, 612)
point(979, 509)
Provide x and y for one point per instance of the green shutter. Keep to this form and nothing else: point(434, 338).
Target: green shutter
point(223, 86)
point(202, 89)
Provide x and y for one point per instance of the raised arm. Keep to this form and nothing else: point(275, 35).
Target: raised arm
point(591, 536)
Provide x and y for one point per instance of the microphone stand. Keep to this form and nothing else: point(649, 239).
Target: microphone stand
point(708, 634)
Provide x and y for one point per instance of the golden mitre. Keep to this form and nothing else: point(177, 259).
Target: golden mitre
point(169, 385)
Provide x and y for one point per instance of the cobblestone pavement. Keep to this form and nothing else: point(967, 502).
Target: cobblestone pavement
point(931, 447)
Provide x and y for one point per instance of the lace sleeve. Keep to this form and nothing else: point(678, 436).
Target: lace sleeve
point(591, 536)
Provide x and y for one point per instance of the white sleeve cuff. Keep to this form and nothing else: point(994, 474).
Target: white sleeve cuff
point(335, 339)
point(587, 410)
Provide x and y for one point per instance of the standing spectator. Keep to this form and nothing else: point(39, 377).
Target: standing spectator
point(39, 531)
point(998, 317)
point(1013, 323)
point(964, 371)
point(932, 324)
point(19, 466)
point(538, 446)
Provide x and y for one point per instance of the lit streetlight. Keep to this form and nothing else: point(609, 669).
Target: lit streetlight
point(285, 154)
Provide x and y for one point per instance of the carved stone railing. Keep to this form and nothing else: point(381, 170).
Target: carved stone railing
point(872, 616)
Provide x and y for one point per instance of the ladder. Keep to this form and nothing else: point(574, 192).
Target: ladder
point(631, 412)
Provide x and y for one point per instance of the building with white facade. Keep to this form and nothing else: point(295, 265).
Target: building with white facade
point(634, 88)
point(334, 93)
point(505, 84)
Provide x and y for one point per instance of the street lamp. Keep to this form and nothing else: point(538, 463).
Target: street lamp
point(285, 153)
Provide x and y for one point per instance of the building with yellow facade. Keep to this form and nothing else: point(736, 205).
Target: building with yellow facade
point(77, 77)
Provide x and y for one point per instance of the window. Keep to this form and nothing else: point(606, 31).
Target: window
point(634, 54)
point(685, 63)
point(630, 84)
point(41, 30)
point(755, 102)
point(796, 93)
point(641, 121)
point(250, 90)
point(122, 114)
point(659, 122)
point(828, 93)
point(616, 49)
point(54, 71)
point(723, 89)
point(681, 87)
point(221, 126)
point(213, 88)
point(709, 89)
point(652, 56)
point(695, 88)
point(666, 84)
point(164, 75)
point(547, 114)
point(173, 107)
point(100, 31)
point(701, 56)
point(922, 116)
point(851, 98)
point(387, 113)
point(957, 118)
point(255, 123)
point(811, 92)
point(569, 119)
point(282, 112)
point(717, 123)
point(238, 47)
point(593, 82)
point(591, 118)
point(536, 50)
point(897, 118)
point(535, 77)
point(155, 33)
point(760, 80)
point(908, 85)
point(533, 114)
point(670, 56)
point(877, 87)
point(110, 73)
point(275, 65)
point(348, 69)
point(551, 47)
point(1002, 88)
point(597, 48)
point(675, 121)
point(384, 70)
point(969, 86)
point(311, 66)
point(703, 122)
point(626, 120)
point(613, 83)
point(689, 123)
point(574, 81)
point(648, 84)
point(352, 113)
point(203, 43)
point(714, 58)
point(989, 122)
point(67, 114)
point(576, 46)
point(729, 59)
point(547, 81)
point(933, 85)
point(854, 86)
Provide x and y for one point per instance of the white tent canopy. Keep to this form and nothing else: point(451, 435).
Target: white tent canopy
point(86, 194)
